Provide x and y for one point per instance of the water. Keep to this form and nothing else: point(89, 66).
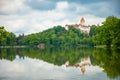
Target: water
point(59, 64)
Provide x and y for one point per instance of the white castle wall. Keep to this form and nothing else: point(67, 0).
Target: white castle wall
point(85, 29)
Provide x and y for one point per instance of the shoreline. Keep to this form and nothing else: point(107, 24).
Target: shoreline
point(13, 46)
point(100, 46)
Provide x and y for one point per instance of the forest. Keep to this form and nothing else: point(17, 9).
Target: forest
point(106, 34)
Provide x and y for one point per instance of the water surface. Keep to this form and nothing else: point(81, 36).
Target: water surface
point(59, 64)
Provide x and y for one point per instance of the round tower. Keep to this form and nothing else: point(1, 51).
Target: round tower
point(82, 21)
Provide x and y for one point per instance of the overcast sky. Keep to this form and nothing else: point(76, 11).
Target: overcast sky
point(31, 16)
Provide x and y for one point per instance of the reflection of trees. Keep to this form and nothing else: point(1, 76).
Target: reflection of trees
point(8, 54)
point(109, 60)
point(58, 56)
point(18, 52)
point(55, 56)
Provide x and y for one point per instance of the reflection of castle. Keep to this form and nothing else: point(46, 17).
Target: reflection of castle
point(84, 62)
point(80, 26)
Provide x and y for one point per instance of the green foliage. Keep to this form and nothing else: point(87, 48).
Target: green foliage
point(11, 39)
point(19, 39)
point(6, 38)
point(109, 32)
point(109, 60)
point(3, 35)
point(57, 36)
point(93, 30)
point(9, 53)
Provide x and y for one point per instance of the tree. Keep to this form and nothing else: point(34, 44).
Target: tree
point(57, 37)
point(108, 33)
point(116, 40)
point(10, 40)
point(19, 39)
point(3, 35)
point(93, 30)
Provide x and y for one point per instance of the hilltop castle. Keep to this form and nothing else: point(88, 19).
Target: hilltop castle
point(81, 26)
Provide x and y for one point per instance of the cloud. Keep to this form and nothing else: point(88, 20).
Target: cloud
point(62, 5)
point(28, 16)
point(41, 4)
point(102, 9)
point(11, 7)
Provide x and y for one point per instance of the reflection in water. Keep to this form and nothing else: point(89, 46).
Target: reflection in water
point(109, 60)
point(34, 69)
point(21, 56)
point(83, 62)
point(51, 62)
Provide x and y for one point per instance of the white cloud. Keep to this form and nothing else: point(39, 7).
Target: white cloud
point(62, 5)
point(13, 23)
point(93, 20)
point(8, 6)
point(36, 20)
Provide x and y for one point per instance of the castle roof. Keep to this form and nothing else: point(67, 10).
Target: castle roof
point(82, 19)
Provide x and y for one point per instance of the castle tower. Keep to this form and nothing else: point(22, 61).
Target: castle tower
point(83, 69)
point(82, 21)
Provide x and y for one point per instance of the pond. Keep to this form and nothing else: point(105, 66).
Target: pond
point(59, 64)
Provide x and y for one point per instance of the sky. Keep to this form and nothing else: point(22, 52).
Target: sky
point(32, 16)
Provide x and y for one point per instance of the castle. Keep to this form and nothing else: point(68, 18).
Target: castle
point(81, 26)
point(82, 64)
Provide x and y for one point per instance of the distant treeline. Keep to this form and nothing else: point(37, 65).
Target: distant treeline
point(107, 34)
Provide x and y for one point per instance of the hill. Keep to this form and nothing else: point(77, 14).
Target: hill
point(57, 36)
